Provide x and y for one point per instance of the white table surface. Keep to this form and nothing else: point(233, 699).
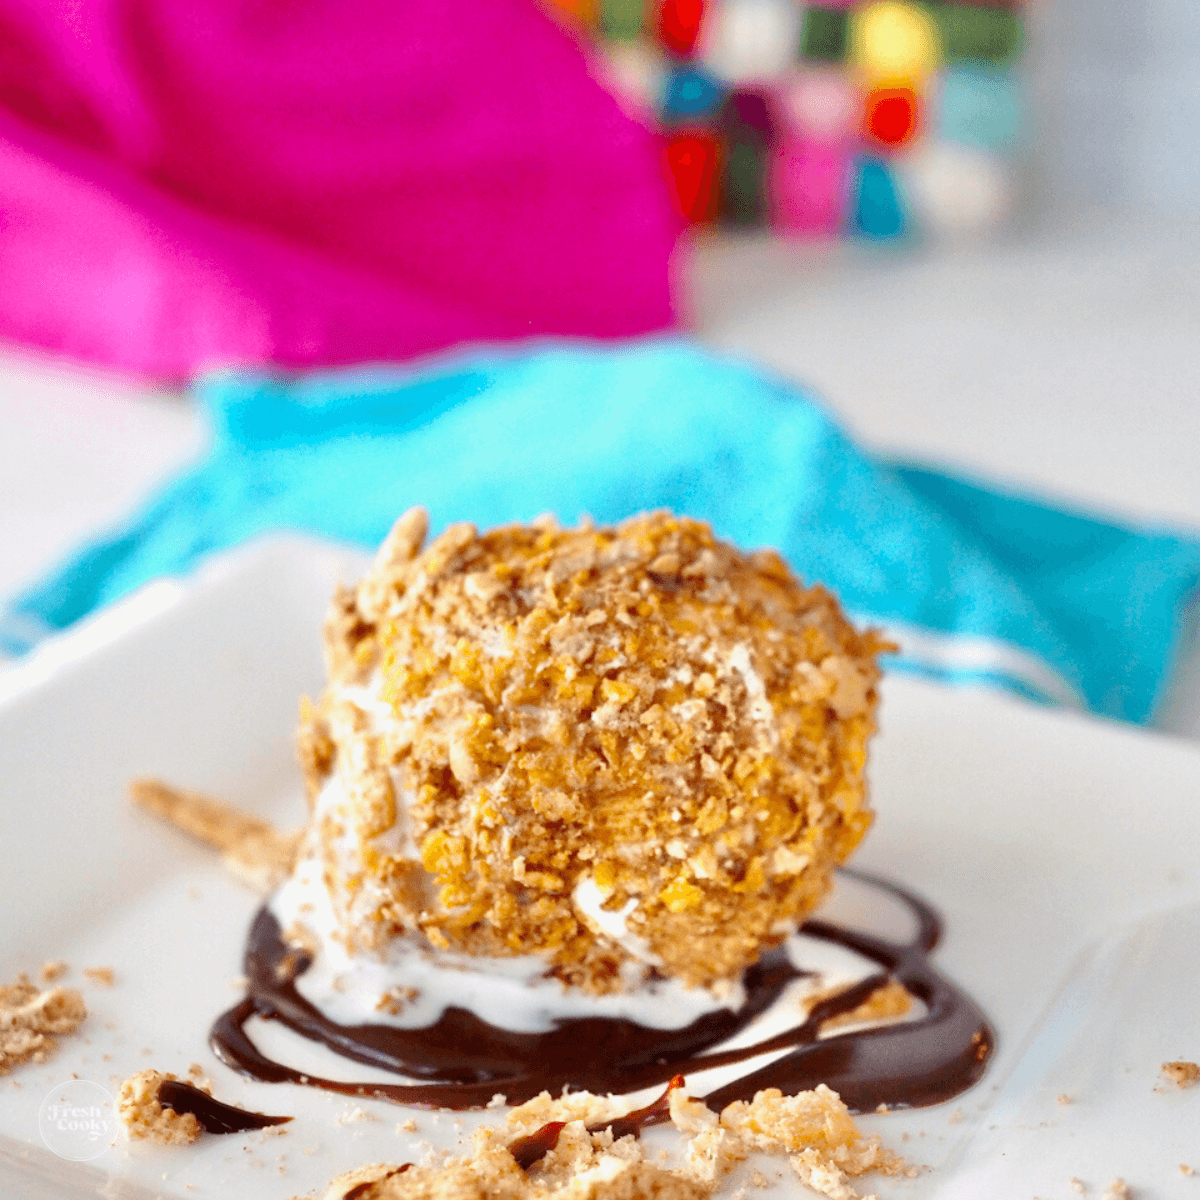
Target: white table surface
point(1065, 362)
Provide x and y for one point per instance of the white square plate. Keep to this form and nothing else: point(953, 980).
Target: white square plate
point(1063, 852)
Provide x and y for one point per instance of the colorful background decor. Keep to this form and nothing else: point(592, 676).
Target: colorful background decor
point(881, 118)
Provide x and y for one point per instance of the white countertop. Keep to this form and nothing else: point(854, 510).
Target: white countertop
point(1065, 363)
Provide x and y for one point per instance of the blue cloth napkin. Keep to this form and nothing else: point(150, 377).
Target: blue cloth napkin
point(978, 585)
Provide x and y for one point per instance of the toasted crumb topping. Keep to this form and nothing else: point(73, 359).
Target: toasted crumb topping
point(30, 1020)
point(253, 850)
point(814, 1129)
point(50, 971)
point(1181, 1074)
point(138, 1106)
point(642, 709)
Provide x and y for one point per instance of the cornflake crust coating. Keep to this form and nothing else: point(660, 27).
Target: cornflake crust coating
point(588, 744)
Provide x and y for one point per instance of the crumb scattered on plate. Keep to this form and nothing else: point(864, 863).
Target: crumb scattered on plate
point(30, 1020)
point(53, 970)
point(1181, 1074)
point(1118, 1190)
point(253, 849)
point(105, 976)
point(814, 1129)
point(145, 1117)
point(354, 1115)
point(198, 1077)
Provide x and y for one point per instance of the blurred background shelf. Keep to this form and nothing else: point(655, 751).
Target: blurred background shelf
point(1061, 360)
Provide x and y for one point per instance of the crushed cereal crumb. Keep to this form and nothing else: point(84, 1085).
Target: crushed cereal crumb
point(890, 1001)
point(253, 850)
point(51, 971)
point(197, 1077)
point(1181, 1074)
point(814, 1130)
point(105, 976)
point(1118, 1189)
point(395, 1000)
point(30, 1020)
point(355, 1115)
point(145, 1117)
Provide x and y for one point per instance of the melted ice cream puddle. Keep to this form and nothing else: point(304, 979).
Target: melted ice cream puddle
point(514, 993)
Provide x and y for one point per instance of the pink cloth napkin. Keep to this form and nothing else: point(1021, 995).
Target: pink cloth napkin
point(192, 183)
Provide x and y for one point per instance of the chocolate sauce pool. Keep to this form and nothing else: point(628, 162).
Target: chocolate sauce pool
point(461, 1061)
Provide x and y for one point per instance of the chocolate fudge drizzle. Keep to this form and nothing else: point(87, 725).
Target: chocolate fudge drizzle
point(213, 1115)
point(461, 1061)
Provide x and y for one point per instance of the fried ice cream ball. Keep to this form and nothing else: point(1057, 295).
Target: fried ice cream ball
point(628, 749)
